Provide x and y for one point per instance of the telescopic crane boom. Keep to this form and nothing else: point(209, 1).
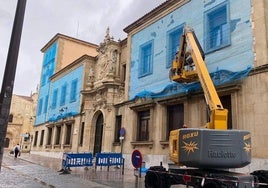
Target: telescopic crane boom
point(189, 66)
point(213, 146)
point(207, 152)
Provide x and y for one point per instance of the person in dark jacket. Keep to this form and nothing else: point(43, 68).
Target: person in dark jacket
point(17, 150)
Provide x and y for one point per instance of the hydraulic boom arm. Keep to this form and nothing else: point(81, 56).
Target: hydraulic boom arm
point(215, 147)
point(189, 66)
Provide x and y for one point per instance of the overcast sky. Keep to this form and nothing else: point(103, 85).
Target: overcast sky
point(83, 19)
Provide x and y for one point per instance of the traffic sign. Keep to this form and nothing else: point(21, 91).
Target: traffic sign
point(136, 158)
point(122, 131)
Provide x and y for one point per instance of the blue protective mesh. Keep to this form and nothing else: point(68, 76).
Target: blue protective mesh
point(62, 116)
point(224, 34)
point(220, 77)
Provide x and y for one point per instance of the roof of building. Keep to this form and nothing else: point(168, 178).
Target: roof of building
point(153, 13)
point(59, 35)
point(74, 63)
point(27, 98)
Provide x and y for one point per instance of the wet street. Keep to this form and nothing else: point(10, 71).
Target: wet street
point(34, 171)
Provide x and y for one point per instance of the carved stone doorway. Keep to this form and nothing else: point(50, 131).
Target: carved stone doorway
point(98, 135)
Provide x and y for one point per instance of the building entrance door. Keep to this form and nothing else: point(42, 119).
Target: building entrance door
point(98, 135)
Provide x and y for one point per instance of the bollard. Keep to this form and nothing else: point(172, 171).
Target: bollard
point(109, 162)
point(136, 174)
point(123, 165)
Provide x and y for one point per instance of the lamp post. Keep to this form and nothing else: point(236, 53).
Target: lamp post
point(9, 75)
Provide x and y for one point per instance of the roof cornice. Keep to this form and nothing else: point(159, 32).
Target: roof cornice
point(158, 12)
point(59, 35)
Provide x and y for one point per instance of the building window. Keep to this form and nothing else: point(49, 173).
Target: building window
point(146, 59)
point(173, 45)
point(42, 137)
point(124, 68)
point(49, 136)
point(48, 64)
point(43, 78)
point(63, 94)
point(68, 134)
point(118, 125)
point(10, 118)
point(45, 75)
point(217, 28)
point(58, 133)
point(54, 99)
point(26, 137)
point(46, 103)
point(73, 90)
point(35, 138)
point(47, 72)
point(175, 118)
point(143, 125)
point(227, 104)
point(40, 105)
point(82, 134)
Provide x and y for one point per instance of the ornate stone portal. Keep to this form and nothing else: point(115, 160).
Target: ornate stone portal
point(105, 87)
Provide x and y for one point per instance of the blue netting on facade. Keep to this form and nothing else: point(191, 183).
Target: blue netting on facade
point(62, 116)
point(220, 77)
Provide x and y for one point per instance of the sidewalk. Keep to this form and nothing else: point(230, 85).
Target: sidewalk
point(53, 163)
point(78, 177)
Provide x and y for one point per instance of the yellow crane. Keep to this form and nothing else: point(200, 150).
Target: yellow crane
point(205, 151)
point(197, 147)
point(189, 66)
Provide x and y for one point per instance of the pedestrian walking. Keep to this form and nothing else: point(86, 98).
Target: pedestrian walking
point(17, 150)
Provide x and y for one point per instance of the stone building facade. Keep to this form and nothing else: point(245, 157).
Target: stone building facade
point(21, 120)
point(60, 103)
point(86, 124)
point(118, 91)
point(104, 89)
point(155, 106)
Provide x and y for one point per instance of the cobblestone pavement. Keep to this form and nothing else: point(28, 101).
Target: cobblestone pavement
point(34, 171)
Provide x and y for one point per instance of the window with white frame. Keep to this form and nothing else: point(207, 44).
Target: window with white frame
point(146, 59)
point(217, 29)
point(173, 45)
